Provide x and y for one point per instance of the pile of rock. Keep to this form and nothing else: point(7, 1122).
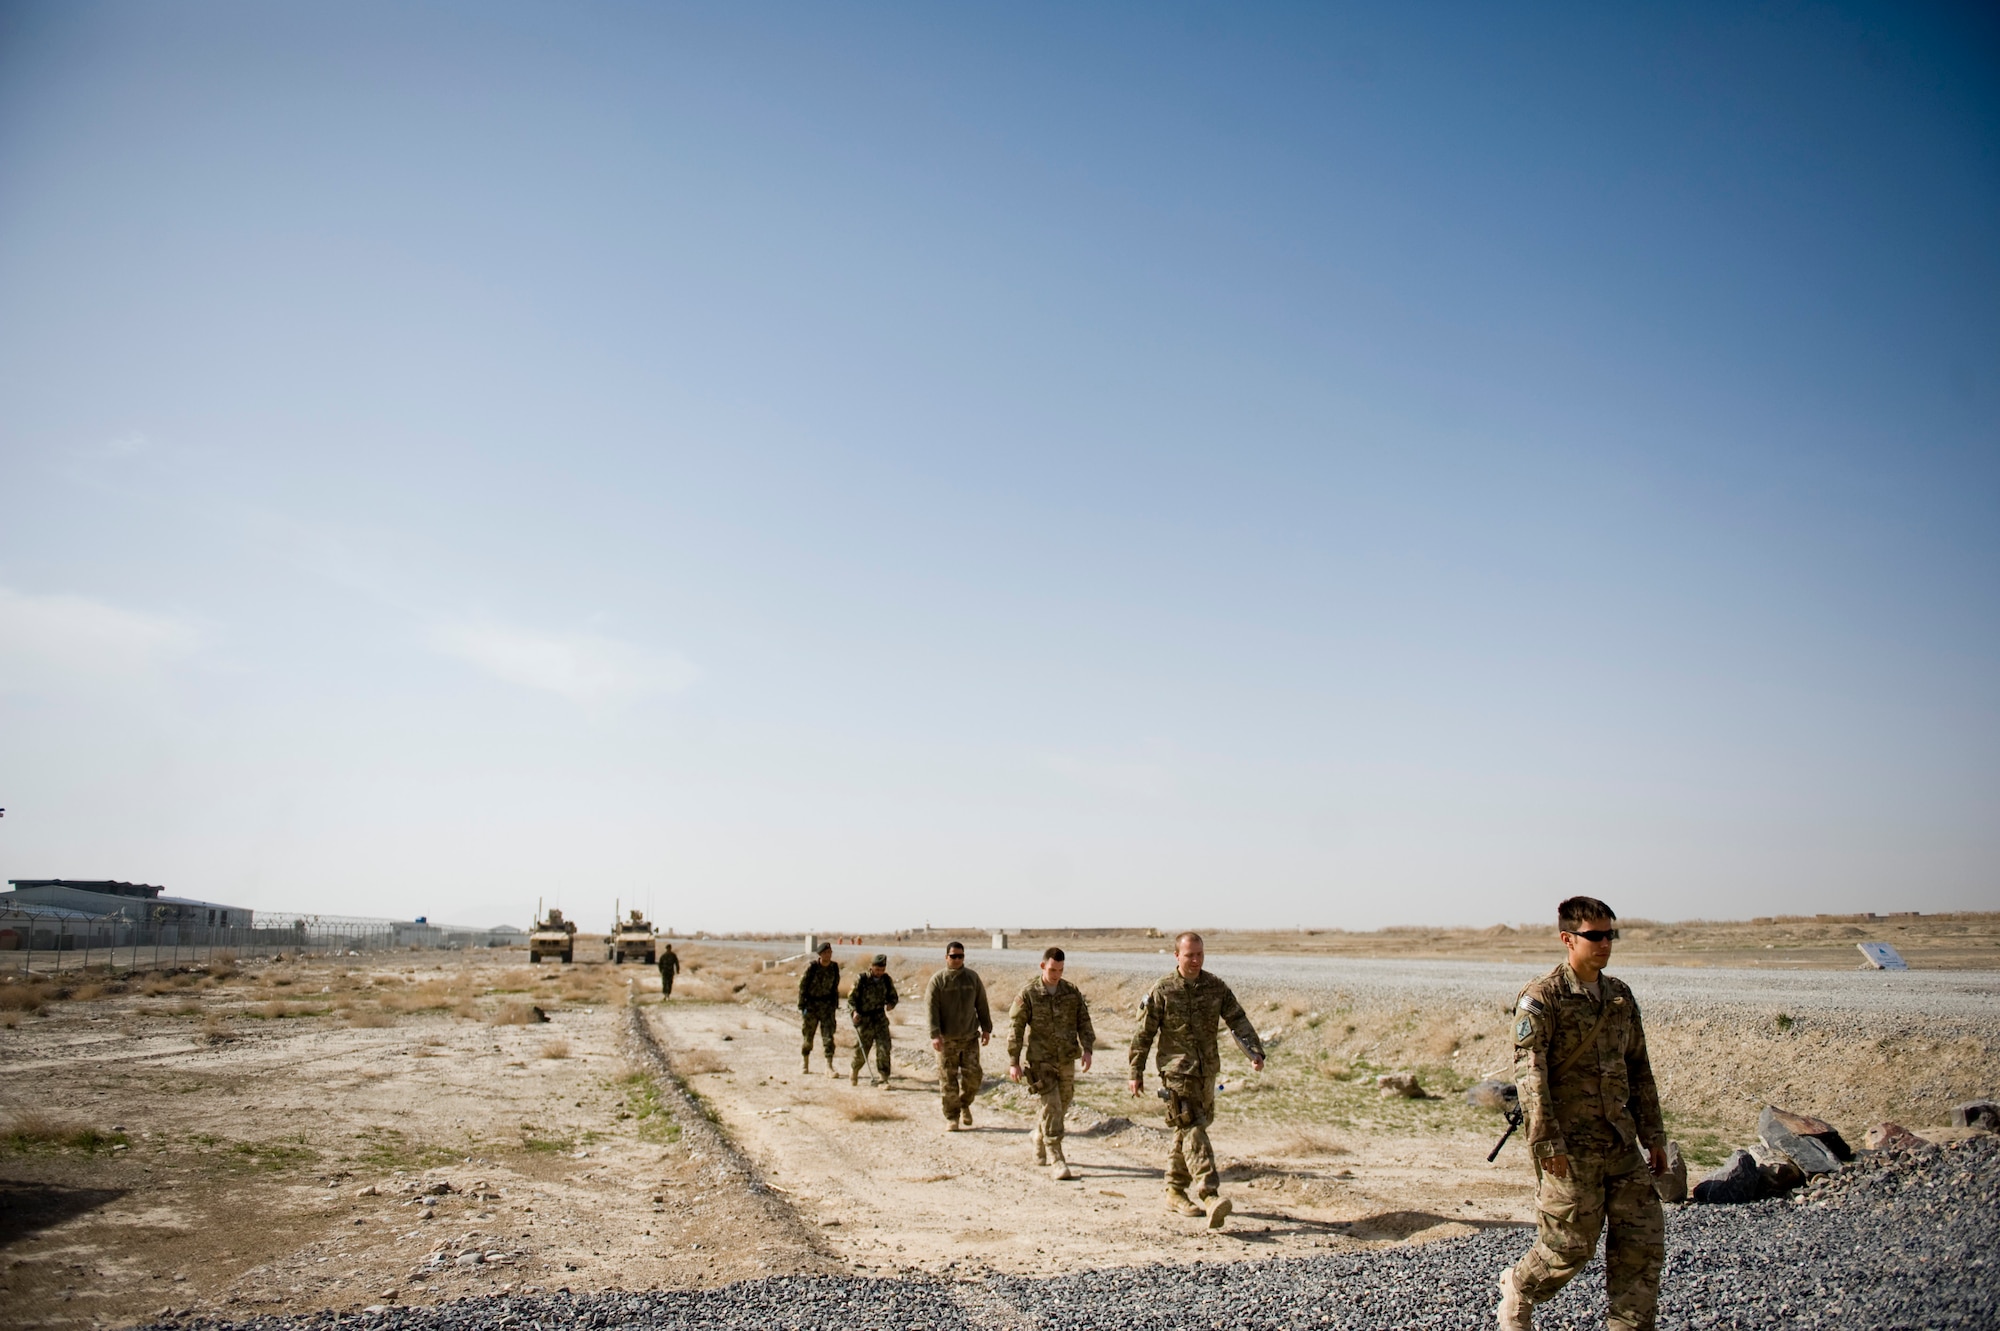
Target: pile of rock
point(1793, 1149)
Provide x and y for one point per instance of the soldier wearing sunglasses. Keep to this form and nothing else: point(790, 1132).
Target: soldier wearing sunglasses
point(1587, 1086)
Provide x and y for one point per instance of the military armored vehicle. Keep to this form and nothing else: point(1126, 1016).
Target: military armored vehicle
point(553, 937)
point(632, 939)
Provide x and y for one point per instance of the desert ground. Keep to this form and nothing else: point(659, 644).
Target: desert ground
point(317, 1132)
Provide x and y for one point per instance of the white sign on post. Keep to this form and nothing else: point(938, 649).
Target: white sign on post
point(1881, 957)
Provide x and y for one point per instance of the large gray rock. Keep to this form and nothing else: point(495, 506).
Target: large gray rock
point(1499, 1096)
point(1977, 1114)
point(1739, 1180)
point(1800, 1137)
point(1672, 1183)
point(1780, 1174)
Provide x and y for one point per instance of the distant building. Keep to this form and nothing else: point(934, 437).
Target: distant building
point(140, 903)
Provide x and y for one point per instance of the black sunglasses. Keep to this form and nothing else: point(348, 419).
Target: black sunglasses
point(950, 955)
point(1596, 935)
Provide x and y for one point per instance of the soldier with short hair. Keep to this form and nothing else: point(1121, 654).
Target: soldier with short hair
point(1183, 1012)
point(960, 1023)
point(670, 966)
point(1587, 1086)
point(819, 1006)
point(1056, 1019)
point(868, 1005)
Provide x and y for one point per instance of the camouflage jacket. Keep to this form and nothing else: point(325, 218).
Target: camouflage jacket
point(819, 987)
point(872, 997)
point(1184, 1015)
point(1581, 1065)
point(1059, 1024)
point(957, 1003)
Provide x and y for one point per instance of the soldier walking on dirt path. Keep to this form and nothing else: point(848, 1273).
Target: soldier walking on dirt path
point(669, 966)
point(1586, 1083)
point(819, 1006)
point(1184, 1011)
point(960, 1023)
point(869, 1004)
point(1056, 1017)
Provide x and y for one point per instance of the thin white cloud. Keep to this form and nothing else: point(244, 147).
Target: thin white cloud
point(59, 640)
point(583, 667)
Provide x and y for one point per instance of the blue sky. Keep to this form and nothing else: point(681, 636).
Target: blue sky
point(808, 466)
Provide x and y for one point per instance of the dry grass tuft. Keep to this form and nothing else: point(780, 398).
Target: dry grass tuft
point(556, 1049)
point(31, 997)
point(695, 1062)
point(1308, 1143)
point(372, 1018)
point(28, 1129)
point(867, 1109)
point(516, 1014)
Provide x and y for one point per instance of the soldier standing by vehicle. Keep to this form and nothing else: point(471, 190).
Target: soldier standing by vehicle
point(819, 1006)
point(960, 1023)
point(1183, 1011)
point(1587, 1086)
point(1058, 1017)
point(670, 966)
point(869, 1004)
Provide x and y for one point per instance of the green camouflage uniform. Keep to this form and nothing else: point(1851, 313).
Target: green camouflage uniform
point(869, 1003)
point(956, 1000)
point(1059, 1033)
point(1587, 1086)
point(819, 1005)
point(669, 966)
point(1184, 1015)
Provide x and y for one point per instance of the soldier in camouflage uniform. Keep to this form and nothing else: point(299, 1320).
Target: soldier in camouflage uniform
point(869, 1004)
point(1587, 1086)
point(819, 1006)
point(1055, 1011)
point(670, 965)
point(960, 1023)
point(1183, 1012)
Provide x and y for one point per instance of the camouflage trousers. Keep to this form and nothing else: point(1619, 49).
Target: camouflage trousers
point(1190, 1109)
point(871, 1033)
point(1572, 1212)
point(666, 982)
point(959, 1074)
point(1055, 1087)
point(824, 1019)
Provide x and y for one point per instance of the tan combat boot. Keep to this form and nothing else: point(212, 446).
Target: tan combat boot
point(806, 1063)
point(1041, 1150)
point(1178, 1202)
point(965, 1115)
point(1515, 1313)
point(1218, 1212)
point(1061, 1171)
point(831, 1070)
point(854, 1077)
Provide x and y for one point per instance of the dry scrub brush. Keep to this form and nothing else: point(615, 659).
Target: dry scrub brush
point(866, 1109)
point(555, 1049)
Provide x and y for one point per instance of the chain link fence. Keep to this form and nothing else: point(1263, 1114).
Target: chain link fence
point(47, 940)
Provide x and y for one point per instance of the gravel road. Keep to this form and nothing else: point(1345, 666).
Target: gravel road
point(1970, 997)
point(1903, 1242)
point(1948, 995)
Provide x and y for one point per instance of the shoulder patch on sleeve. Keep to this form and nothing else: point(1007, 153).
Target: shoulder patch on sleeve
point(1529, 1003)
point(1524, 1029)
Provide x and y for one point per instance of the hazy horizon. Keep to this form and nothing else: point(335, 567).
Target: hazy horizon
point(1282, 466)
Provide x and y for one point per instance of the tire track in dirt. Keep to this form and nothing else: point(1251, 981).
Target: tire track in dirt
point(721, 1159)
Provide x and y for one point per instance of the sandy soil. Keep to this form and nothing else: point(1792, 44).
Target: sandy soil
point(892, 1191)
point(265, 1140)
point(231, 1155)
